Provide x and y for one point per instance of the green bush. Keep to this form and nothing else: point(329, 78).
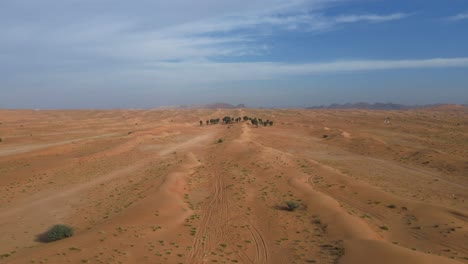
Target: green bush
point(58, 232)
point(220, 140)
point(291, 205)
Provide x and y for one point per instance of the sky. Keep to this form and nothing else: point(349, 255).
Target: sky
point(263, 53)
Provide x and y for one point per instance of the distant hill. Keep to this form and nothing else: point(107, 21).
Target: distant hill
point(213, 106)
point(382, 106)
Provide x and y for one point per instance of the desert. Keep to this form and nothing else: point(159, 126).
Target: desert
point(155, 186)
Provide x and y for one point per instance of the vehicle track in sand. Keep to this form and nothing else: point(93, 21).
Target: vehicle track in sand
point(262, 251)
point(218, 213)
point(210, 229)
point(261, 247)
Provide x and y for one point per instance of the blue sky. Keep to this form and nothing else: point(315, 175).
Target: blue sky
point(272, 53)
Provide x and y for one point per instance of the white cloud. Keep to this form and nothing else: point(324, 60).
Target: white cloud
point(206, 72)
point(369, 18)
point(189, 74)
point(229, 32)
point(458, 17)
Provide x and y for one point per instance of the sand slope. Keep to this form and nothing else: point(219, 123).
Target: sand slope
point(152, 186)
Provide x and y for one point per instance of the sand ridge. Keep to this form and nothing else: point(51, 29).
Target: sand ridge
point(153, 186)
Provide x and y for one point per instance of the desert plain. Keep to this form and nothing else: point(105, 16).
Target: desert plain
point(153, 186)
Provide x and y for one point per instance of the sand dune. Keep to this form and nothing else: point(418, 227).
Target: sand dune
point(153, 186)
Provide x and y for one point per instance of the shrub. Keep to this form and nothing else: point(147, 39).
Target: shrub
point(1, 140)
point(58, 232)
point(220, 140)
point(291, 205)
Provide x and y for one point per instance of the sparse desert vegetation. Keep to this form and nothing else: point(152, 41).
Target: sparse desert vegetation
point(292, 205)
point(184, 186)
point(57, 232)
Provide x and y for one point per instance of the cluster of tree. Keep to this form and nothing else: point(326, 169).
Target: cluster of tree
point(212, 121)
point(258, 121)
point(230, 120)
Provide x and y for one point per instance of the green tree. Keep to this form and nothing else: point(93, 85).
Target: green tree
point(227, 120)
point(254, 122)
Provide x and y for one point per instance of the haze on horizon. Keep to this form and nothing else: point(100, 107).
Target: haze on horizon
point(269, 53)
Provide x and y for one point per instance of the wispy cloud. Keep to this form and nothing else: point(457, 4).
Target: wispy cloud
point(291, 21)
point(136, 38)
point(199, 73)
point(458, 17)
point(155, 47)
point(220, 72)
point(370, 18)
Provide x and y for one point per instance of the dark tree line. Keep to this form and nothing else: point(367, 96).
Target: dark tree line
point(230, 120)
point(259, 121)
point(212, 121)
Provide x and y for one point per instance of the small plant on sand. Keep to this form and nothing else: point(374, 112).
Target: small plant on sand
point(220, 140)
point(291, 205)
point(1, 140)
point(58, 232)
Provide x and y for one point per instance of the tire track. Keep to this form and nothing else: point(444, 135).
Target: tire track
point(209, 229)
point(261, 252)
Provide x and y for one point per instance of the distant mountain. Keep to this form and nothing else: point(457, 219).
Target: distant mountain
point(379, 106)
point(213, 106)
point(449, 107)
